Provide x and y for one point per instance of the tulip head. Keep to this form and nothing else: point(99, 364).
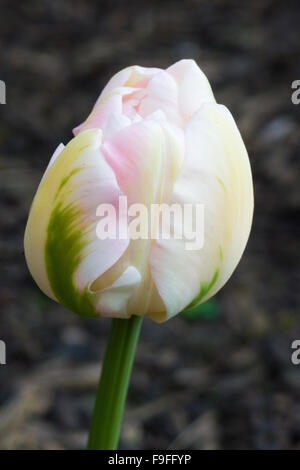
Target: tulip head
point(154, 137)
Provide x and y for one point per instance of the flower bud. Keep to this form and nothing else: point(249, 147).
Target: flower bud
point(155, 138)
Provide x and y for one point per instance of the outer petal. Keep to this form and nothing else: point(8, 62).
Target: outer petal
point(62, 249)
point(216, 173)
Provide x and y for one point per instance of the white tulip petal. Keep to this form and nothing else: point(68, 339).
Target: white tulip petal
point(112, 301)
point(216, 173)
point(194, 88)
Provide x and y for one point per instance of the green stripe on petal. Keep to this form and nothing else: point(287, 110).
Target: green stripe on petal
point(62, 249)
point(66, 179)
point(44, 202)
point(64, 244)
point(205, 287)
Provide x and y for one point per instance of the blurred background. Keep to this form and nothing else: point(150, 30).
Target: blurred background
point(218, 379)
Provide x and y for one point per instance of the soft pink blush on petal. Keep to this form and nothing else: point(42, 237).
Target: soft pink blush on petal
point(114, 123)
point(111, 103)
point(121, 84)
point(133, 76)
point(134, 155)
point(162, 94)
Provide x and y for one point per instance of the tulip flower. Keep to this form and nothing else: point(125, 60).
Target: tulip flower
point(156, 137)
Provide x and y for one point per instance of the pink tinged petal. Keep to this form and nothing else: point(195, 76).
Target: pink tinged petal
point(135, 155)
point(130, 107)
point(216, 173)
point(106, 105)
point(110, 100)
point(112, 301)
point(194, 88)
point(131, 102)
point(162, 94)
point(115, 123)
point(146, 158)
point(133, 76)
point(76, 129)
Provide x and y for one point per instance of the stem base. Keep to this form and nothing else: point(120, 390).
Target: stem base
point(113, 385)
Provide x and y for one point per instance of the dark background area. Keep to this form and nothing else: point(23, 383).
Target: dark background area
point(223, 380)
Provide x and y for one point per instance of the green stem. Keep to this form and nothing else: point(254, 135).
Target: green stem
point(113, 384)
